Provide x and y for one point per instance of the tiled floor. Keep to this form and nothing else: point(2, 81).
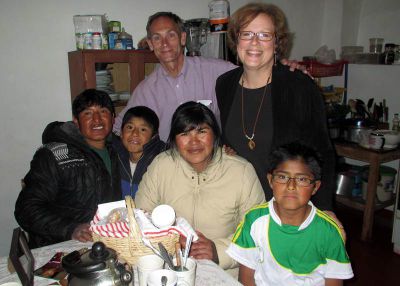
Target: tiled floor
point(374, 262)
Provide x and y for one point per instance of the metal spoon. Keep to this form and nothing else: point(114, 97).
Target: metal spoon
point(164, 280)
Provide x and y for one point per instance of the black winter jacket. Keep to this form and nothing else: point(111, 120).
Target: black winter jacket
point(298, 114)
point(66, 182)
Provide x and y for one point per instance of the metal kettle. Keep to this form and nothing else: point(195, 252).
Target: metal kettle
point(95, 267)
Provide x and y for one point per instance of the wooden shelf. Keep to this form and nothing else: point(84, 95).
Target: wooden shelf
point(359, 203)
point(118, 103)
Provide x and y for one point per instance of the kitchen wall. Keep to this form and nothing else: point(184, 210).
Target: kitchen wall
point(36, 36)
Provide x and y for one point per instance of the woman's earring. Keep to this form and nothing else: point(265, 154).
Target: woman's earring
point(274, 58)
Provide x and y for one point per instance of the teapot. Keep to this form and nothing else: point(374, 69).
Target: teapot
point(98, 266)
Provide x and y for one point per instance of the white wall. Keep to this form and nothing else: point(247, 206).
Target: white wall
point(35, 39)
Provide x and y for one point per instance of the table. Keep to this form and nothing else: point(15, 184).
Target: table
point(208, 273)
point(374, 158)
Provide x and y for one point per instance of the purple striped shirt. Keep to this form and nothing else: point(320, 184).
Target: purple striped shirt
point(164, 93)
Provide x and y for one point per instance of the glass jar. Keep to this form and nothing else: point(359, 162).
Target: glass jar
point(396, 122)
point(389, 54)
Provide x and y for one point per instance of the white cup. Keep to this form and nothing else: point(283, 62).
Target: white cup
point(154, 278)
point(188, 277)
point(376, 141)
point(146, 265)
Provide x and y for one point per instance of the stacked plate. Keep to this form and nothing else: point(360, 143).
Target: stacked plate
point(103, 81)
point(124, 96)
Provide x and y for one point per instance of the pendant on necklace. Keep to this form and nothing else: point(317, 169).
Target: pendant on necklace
point(251, 144)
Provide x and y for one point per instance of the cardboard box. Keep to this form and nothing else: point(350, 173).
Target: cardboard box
point(90, 24)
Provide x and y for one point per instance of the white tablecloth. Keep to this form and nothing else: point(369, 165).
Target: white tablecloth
point(208, 273)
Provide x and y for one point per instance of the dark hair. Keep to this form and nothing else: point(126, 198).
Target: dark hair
point(175, 18)
point(145, 113)
point(91, 97)
point(189, 116)
point(296, 151)
point(244, 15)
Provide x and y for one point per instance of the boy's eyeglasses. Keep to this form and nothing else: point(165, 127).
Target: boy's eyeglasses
point(261, 36)
point(300, 181)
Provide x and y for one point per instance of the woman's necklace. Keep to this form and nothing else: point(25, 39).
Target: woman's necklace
point(251, 142)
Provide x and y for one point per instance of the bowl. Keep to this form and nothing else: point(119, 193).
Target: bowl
point(163, 216)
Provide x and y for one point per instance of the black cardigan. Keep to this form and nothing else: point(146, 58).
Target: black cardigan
point(298, 114)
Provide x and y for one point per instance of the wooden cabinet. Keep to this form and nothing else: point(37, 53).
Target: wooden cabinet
point(82, 68)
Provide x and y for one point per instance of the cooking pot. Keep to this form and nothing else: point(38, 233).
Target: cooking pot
point(353, 127)
point(345, 184)
point(95, 267)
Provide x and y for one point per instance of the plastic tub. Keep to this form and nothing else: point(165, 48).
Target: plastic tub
point(385, 187)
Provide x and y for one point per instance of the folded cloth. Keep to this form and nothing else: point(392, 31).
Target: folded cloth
point(102, 227)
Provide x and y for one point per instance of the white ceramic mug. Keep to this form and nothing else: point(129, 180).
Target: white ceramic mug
point(154, 278)
point(376, 140)
point(147, 264)
point(187, 278)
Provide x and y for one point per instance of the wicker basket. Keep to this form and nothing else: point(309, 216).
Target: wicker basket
point(131, 248)
point(317, 69)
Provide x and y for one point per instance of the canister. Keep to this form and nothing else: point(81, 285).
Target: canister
point(112, 38)
point(79, 39)
point(114, 26)
point(219, 16)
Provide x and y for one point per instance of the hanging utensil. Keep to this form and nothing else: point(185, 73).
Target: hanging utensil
point(369, 104)
point(165, 255)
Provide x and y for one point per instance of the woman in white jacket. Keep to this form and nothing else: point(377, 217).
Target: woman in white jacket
point(209, 188)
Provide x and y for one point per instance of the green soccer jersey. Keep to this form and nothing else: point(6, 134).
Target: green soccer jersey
point(290, 255)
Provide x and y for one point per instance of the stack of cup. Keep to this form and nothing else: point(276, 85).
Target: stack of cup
point(375, 45)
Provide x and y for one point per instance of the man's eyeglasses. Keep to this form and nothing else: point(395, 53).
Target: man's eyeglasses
point(261, 36)
point(300, 181)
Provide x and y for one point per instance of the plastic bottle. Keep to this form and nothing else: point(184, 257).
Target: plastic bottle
point(96, 41)
point(87, 41)
point(219, 16)
point(126, 40)
point(396, 122)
